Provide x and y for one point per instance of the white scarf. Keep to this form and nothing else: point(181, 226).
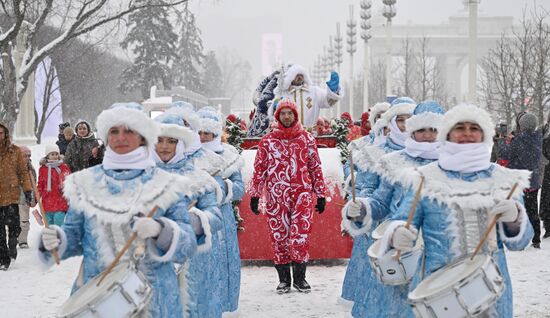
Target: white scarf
point(464, 158)
point(214, 145)
point(396, 135)
point(180, 154)
point(139, 158)
point(425, 150)
point(195, 144)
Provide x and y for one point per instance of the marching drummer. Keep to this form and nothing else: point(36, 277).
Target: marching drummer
point(107, 202)
point(421, 148)
point(462, 192)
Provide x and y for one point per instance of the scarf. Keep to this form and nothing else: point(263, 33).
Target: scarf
point(138, 159)
point(52, 164)
point(291, 132)
point(180, 154)
point(214, 145)
point(424, 150)
point(195, 144)
point(396, 135)
point(465, 158)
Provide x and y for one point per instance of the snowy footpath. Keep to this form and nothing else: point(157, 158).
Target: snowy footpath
point(29, 291)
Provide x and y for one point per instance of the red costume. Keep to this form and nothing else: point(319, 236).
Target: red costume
point(365, 124)
point(354, 132)
point(288, 167)
point(53, 199)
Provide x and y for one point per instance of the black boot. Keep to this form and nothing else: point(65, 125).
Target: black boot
point(299, 276)
point(284, 278)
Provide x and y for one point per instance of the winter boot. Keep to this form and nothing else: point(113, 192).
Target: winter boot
point(546, 231)
point(4, 267)
point(284, 278)
point(299, 276)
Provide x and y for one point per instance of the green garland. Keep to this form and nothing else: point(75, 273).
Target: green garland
point(340, 130)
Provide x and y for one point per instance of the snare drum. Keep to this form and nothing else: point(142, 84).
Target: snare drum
point(125, 292)
point(466, 288)
point(379, 231)
point(391, 271)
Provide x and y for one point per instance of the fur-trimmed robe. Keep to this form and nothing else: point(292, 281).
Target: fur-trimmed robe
point(452, 214)
point(102, 204)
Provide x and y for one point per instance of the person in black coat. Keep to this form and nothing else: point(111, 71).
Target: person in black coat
point(524, 151)
point(545, 193)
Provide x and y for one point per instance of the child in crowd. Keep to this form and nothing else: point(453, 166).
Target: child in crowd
point(51, 175)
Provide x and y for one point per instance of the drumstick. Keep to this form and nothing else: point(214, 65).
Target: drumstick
point(123, 250)
point(413, 208)
point(43, 215)
point(492, 224)
point(352, 173)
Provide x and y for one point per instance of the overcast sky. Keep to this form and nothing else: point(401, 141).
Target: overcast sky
point(306, 24)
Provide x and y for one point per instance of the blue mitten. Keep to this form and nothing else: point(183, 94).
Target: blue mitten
point(334, 82)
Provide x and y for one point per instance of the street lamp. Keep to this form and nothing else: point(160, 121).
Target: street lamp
point(352, 32)
point(365, 35)
point(389, 13)
point(338, 53)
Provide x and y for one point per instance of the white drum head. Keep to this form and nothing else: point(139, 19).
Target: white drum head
point(378, 232)
point(90, 291)
point(447, 276)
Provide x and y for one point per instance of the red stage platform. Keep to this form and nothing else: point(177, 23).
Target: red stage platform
point(326, 242)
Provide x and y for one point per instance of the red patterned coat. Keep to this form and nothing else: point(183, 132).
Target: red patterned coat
point(288, 168)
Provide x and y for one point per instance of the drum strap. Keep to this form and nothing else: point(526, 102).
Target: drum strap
point(422, 266)
point(80, 278)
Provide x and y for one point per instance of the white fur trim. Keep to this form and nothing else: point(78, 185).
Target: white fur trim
point(178, 132)
point(210, 162)
point(523, 218)
point(367, 157)
point(152, 247)
point(205, 223)
point(377, 109)
point(481, 194)
point(350, 227)
point(394, 166)
point(229, 196)
point(131, 118)
point(396, 110)
point(289, 76)
point(385, 241)
point(234, 162)
point(424, 120)
point(46, 258)
point(231, 314)
point(190, 117)
point(347, 304)
point(211, 126)
point(467, 113)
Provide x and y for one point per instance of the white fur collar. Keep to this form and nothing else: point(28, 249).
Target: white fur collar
point(210, 162)
point(479, 194)
point(87, 192)
point(367, 157)
point(394, 166)
point(233, 160)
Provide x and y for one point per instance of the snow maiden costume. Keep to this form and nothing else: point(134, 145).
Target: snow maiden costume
point(366, 182)
point(104, 201)
point(198, 278)
point(233, 189)
point(461, 192)
point(392, 168)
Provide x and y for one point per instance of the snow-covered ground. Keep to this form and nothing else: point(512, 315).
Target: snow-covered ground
point(29, 291)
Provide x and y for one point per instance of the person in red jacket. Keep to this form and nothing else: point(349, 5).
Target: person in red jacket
point(365, 124)
point(51, 175)
point(354, 132)
point(287, 167)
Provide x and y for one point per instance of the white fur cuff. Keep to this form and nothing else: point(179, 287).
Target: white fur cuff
point(152, 248)
point(365, 224)
point(229, 196)
point(205, 223)
point(523, 219)
point(46, 257)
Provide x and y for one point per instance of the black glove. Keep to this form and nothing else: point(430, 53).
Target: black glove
point(321, 202)
point(28, 198)
point(254, 205)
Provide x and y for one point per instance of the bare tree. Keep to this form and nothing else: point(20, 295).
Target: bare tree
point(377, 82)
point(539, 66)
point(236, 77)
point(76, 18)
point(406, 70)
point(49, 102)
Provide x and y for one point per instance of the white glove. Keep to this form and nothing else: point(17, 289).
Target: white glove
point(403, 238)
point(507, 209)
point(147, 227)
point(353, 209)
point(50, 240)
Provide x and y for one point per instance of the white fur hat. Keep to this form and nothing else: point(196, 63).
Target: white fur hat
point(50, 148)
point(377, 109)
point(172, 126)
point(210, 121)
point(188, 114)
point(427, 114)
point(130, 115)
point(396, 110)
point(467, 113)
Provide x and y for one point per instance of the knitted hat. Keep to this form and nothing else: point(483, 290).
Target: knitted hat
point(130, 115)
point(427, 114)
point(172, 126)
point(467, 113)
point(286, 103)
point(528, 122)
point(50, 148)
